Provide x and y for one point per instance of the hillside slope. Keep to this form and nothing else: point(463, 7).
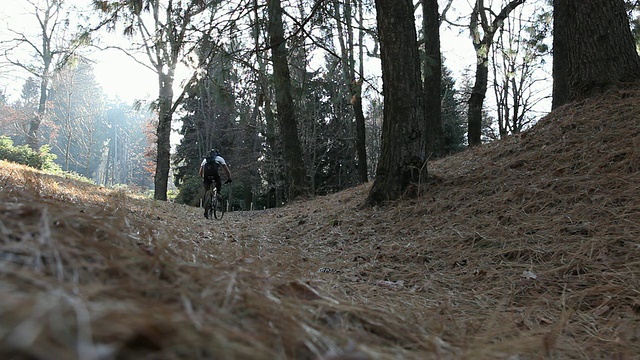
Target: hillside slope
point(524, 248)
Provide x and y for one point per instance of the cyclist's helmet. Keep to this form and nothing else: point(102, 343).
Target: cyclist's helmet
point(214, 153)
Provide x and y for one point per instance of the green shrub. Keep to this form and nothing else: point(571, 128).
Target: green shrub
point(42, 160)
point(72, 175)
point(190, 191)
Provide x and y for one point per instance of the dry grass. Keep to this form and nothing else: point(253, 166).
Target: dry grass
point(526, 248)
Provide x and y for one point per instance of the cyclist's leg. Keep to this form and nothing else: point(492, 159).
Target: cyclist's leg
point(207, 186)
point(216, 178)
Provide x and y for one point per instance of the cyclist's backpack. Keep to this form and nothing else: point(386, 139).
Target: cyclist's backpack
point(210, 167)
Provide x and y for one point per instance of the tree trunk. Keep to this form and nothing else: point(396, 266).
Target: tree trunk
point(361, 140)
point(361, 129)
point(599, 52)
point(48, 24)
point(34, 126)
point(355, 86)
point(163, 141)
point(292, 151)
point(432, 78)
point(403, 153)
point(560, 92)
point(476, 102)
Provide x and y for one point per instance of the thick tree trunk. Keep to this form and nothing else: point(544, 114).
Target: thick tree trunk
point(403, 153)
point(560, 92)
point(599, 52)
point(292, 151)
point(433, 78)
point(164, 137)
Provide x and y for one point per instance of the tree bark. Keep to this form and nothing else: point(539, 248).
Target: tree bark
point(292, 151)
point(403, 154)
point(433, 78)
point(163, 141)
point(595, 48)
point(560, 66)
point(476, 102)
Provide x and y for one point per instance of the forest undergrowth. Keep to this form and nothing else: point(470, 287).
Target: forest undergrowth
point(524, 248)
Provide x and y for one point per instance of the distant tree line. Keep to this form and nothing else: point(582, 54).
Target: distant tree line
point(82, 131)
point(231, 108)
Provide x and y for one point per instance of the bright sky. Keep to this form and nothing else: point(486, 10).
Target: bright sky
point(120, 76)
point(117, 73)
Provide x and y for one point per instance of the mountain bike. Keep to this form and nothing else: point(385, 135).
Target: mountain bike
point(214, 203)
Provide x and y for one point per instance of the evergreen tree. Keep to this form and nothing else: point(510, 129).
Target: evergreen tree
point(453, 114)
point(209, 123)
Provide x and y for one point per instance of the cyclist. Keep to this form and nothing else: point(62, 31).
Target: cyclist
point(209, 173)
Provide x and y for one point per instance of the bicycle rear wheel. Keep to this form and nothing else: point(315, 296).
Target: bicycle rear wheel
point(218, 207)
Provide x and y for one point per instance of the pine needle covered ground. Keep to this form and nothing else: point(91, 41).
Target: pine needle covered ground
point(526, 248)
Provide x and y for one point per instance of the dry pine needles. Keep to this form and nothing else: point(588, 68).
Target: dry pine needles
point(523, 248)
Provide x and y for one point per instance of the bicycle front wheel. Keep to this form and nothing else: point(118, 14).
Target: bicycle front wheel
point(208, 200)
